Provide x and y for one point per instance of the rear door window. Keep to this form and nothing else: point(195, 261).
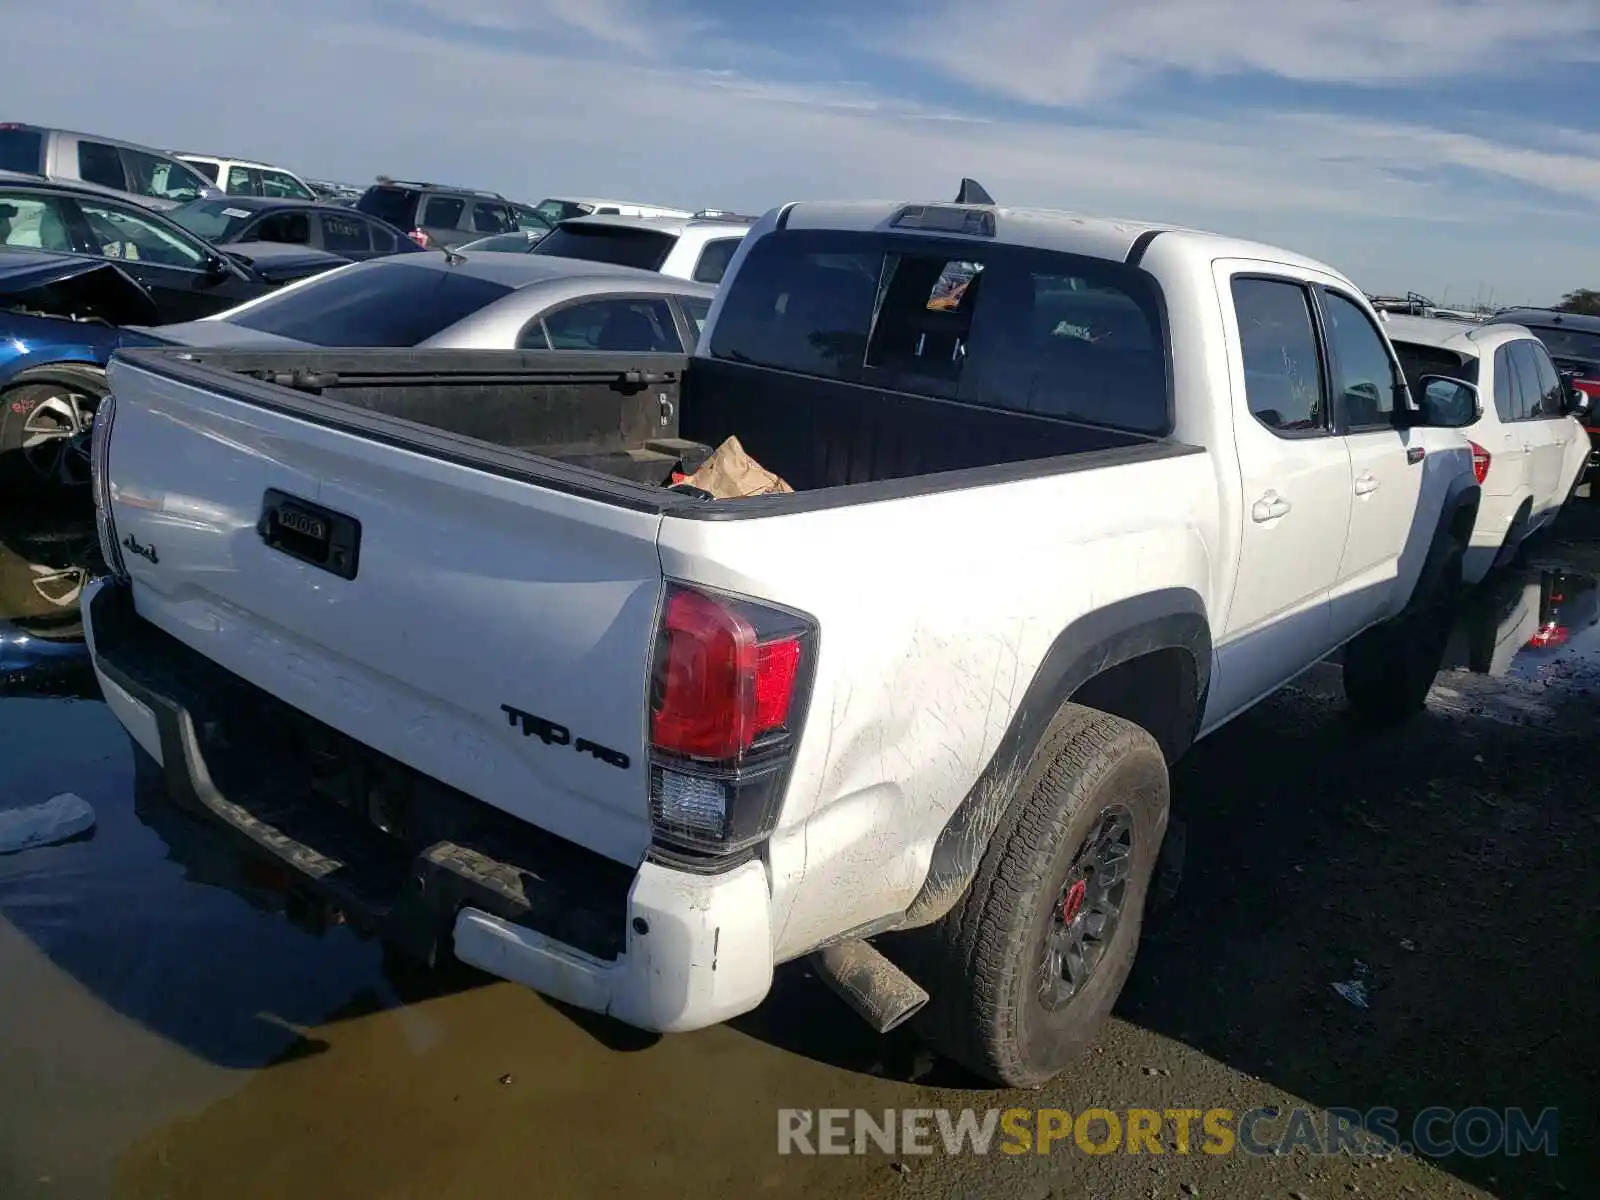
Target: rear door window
point(283, 186)
point(101, 164)
point(1284, 386)
point(36, 222)
point(1550, 389)
point(345, 235)
point(384, 303)
point(22, 150)
point(1507, 400)
point(443, 212)
point(290, 228)
point(697, 309)
point(1529, 398)
point(714, 259)
point(492, 218)
point(242, 182)
point(620, 245)
point(1004, 327)
point(161, 177)
point(383, 239)
point(616, 324)
point(205, 166)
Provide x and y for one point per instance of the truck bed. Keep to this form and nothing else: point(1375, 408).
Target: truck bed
point(580, 420)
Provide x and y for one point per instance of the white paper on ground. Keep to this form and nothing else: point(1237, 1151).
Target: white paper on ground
point(56, 820)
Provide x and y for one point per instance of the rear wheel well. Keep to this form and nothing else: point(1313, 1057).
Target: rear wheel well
point(1157, 691)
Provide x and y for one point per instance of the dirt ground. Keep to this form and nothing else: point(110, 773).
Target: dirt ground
point(165, 1033)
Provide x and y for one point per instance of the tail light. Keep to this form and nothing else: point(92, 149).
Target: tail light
point(728, 691)
point(100, 484)
point(1549, 636)
point(1480, 461)
point(419, 237)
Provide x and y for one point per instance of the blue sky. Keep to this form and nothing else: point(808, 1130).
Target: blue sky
point(1449, 146)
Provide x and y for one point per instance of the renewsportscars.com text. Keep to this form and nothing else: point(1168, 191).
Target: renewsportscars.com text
point(1433, 1132)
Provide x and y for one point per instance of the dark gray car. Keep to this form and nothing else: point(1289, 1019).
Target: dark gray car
point(437, 215)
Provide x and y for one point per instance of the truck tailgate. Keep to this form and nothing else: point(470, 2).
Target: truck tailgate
point(495, 635)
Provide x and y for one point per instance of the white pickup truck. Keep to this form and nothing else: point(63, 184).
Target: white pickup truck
point(1068, 494)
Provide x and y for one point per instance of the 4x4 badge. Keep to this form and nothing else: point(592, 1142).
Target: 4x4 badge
point(148, 553)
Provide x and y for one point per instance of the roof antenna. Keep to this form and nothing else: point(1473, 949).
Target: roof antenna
point(972, 193)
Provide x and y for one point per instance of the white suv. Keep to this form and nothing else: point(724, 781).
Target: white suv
point(240, 177)
point(697, 248)
point(1528, 452)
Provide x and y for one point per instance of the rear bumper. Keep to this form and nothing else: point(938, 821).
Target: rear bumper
point(659, 948)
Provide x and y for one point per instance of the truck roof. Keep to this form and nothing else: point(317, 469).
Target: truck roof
point(1045, 229)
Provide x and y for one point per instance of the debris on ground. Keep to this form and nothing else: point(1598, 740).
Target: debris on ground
point(1354, 989)
point(57, 819)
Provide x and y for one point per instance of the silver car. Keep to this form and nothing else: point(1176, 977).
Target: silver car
point(481, 301)
point(152, 178)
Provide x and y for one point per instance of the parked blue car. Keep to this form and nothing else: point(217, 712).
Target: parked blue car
point(62, 315)
point(60, 321)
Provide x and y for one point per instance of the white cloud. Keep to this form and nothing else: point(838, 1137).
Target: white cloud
point(365, 98)
point(1063, 52)
point(625, 25)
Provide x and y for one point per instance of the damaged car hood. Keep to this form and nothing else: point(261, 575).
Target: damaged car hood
point(72, 286)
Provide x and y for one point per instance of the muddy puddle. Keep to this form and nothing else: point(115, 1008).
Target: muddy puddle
point(171, 1025)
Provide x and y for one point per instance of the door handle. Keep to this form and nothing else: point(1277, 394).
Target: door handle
point(1366, 483)
point(1270, 507)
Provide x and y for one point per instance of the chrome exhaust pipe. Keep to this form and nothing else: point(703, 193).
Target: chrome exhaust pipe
point(881, 993)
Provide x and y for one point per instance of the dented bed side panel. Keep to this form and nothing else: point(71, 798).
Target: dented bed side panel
point(935, 614)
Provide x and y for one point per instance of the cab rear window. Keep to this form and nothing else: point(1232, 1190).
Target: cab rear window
point(1000, 326)
point(21, 150)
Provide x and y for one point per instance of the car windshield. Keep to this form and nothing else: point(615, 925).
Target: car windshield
point(214, 220)
point(621, 245)
point(1568, 343)
point(511, 243)
point(386, 302)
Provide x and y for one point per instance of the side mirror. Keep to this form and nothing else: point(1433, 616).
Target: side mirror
point(1447, 403)
point(1575, 402)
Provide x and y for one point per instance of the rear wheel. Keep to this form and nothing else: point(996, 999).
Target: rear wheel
point(1389, 669)
point(1025, 969)
point(45, 428)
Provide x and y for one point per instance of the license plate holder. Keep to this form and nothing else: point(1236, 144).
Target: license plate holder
point(317, 536)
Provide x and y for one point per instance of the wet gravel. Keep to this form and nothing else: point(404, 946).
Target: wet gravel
point(167, 1031)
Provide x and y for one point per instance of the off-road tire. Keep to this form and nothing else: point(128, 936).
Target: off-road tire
point(1389, 669)
point(983, 962)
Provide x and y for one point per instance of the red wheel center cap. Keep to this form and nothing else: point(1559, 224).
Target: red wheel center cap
point(1073, 901)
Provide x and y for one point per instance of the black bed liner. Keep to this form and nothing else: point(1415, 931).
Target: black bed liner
point(579, 422)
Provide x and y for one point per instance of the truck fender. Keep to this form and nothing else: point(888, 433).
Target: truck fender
point(1171, 619)
point(1453, 532)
